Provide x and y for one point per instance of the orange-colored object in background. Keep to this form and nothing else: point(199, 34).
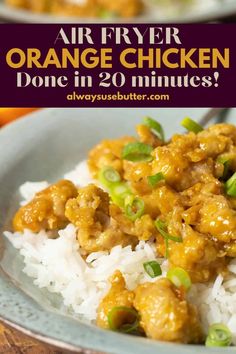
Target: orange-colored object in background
point(7, 115)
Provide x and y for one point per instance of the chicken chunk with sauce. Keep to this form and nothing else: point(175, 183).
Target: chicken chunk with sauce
point(97, 230)
point(200, 256)
point(165, 313)
point(47, 209)
point(117, 296)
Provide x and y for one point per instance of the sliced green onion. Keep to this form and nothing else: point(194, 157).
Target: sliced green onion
point(191, 125)
point(134, 207)
point(155, 127)
point(230, 186)
point(152, 268)
point(137, 151)
point(119, 192)
point(161, 227)
point(117, 189)
point(123, 319)
point(179, 277)
point(225, 161)
point(108, 175)
point(153, 180)
point(218, 336)
point(231, 191)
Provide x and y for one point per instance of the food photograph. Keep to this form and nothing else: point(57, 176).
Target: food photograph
point(118, 229)
point(118, 220)
point(49, 11)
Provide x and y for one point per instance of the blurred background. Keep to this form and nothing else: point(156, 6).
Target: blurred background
point(8, 115)
point(48, 11)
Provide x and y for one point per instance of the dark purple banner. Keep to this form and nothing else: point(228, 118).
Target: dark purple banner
point(125, 65)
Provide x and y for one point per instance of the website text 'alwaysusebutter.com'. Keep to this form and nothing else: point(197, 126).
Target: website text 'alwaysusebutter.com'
point(132, 96)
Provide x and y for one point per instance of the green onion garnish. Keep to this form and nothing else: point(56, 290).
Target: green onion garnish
point(179, 277)
point(191, 125)
point(161, 227)
point(119, 192)
point(137, 151)
point(155, 127)
point(225, 161)
point(134, 207)
point(218, 336)
point(230, 186)
point(108, 175)
point(153, 180)
point(117, 189)
point(152, 268)
point(123, 319)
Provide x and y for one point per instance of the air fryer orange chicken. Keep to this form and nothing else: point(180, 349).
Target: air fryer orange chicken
point(179, 195)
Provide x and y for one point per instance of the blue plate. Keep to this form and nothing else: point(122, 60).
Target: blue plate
point(43, 146)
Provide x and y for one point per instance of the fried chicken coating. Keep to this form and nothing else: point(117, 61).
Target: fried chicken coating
point(118, 295)
point(91, 214)
point(165, 314)
point(47, 209)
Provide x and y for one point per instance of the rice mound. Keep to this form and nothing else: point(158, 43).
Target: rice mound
point(58, 265)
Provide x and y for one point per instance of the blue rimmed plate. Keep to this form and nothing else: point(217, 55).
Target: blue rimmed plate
point(42, 146)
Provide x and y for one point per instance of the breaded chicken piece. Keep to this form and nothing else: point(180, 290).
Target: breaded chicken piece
point(47, 209)
point(107, 153)
point(97, 231)
point(165, 314)
point(117, 296)
point(200, 256)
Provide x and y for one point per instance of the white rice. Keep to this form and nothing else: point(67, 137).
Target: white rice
point(80, 176)
point(216, 301)
point(57, 264)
